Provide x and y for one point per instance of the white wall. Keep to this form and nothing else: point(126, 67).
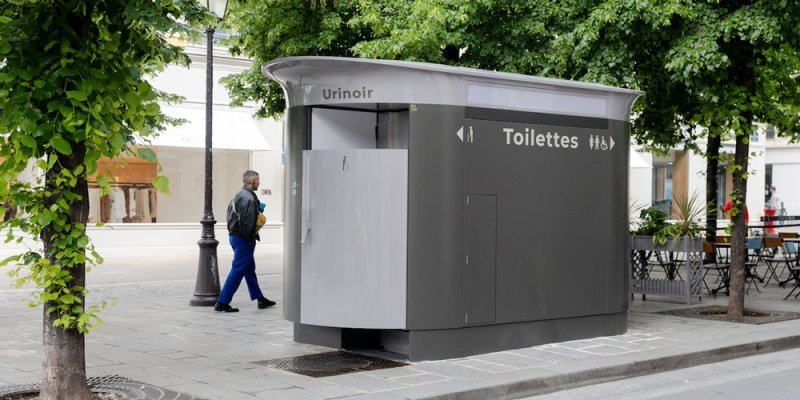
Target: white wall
point(640, 180)
point(785, 178)
point(185, 169)
point(269, 166)
point(785, 162)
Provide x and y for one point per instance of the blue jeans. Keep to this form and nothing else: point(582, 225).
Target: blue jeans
point(243, 266)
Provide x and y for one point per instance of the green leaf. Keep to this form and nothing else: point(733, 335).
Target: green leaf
point(162, 184)
point(45, 218)
point(8, 260)
point(61, 145)
point(28, 141)
point(77, 95)
point(67, 299)
point(152, 109)
point(83, 242)
point(117, 141)
point(147, 154)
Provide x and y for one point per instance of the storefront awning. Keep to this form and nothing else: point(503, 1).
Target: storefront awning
point(232, 129)
point(637, 161)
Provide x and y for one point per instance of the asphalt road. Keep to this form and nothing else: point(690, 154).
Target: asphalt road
point(771, 376)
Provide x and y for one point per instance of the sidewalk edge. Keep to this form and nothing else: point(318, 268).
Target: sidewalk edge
point(544, 385)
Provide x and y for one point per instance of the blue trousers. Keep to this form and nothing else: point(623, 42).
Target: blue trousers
point(243, 266)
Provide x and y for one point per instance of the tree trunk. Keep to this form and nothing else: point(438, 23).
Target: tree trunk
point(739, 234)
point(64, 357)
point(63, 364)
point(712, 166)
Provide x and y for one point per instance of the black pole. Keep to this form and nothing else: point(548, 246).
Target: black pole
point(206, 289)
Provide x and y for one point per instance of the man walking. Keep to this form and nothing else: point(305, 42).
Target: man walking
point(243, 213)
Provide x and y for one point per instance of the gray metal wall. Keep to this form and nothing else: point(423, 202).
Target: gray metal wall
point(558, 216)
point(558, 209)
point(297, 139)
point(436, 210)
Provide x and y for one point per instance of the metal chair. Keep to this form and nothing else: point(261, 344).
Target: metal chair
point(755, 247)
point(791, 259)
point(720, 265)
point(772, 256)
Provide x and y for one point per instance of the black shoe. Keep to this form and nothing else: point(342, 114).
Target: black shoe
point(265, 302)
point(224, 308)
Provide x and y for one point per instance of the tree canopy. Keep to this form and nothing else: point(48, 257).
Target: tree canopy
point(721, 65)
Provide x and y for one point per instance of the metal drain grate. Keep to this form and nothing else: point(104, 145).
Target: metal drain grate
point(330, 364)
point(125, 388)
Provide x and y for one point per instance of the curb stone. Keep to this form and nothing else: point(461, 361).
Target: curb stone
point(539, 386)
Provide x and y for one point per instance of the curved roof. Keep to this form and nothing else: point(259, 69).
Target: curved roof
point(356, 81)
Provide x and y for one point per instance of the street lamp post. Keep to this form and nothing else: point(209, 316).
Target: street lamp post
point(206, 289)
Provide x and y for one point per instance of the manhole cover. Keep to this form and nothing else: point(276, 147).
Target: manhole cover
point(125, 388)
point(719, 313)
point(330, 364)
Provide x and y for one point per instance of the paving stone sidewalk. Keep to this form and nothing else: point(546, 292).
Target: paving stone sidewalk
point(152, 335)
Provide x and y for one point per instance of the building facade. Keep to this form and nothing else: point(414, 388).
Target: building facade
point(136, 217)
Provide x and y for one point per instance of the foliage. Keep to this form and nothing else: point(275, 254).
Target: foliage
point(715, 64)
point(688, 212)
point(72, 90)
point(269, 29)
point(651, 221)
point(505, 35)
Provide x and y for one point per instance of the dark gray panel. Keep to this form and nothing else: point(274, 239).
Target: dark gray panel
point(296, 139)
point(436, 201)
point(561, 211)
point(319, 335)
point(619, 260)
point(481, 251)
point(452, 343)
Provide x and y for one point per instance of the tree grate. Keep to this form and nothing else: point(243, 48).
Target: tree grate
point(718, 313)
point(330, 364)
point(125, 388)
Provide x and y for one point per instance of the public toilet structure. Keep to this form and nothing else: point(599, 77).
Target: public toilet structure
point(440, 212)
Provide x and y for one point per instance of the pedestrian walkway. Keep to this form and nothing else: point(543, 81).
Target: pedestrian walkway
point(152, 335)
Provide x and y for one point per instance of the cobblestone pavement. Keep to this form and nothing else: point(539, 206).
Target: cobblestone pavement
point(152, 335)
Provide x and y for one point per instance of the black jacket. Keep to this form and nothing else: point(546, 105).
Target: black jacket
point(243, 214)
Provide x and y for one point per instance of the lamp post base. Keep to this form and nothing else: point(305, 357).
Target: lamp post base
point(207, 289)
point(203, 301)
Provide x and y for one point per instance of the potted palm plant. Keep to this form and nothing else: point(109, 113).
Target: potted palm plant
point(672, 245)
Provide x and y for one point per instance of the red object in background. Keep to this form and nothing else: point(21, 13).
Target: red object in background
point(729, 206)
point(769, 226)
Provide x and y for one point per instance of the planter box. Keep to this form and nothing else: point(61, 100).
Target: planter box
point(681, 259)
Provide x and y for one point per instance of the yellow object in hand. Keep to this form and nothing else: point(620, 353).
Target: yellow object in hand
point(260, 221)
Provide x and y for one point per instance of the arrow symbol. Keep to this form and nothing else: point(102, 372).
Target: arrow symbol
point(460, 133)
point(612, 143)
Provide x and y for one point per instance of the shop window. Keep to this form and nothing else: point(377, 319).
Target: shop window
point(770, 133)
point(132, 197)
